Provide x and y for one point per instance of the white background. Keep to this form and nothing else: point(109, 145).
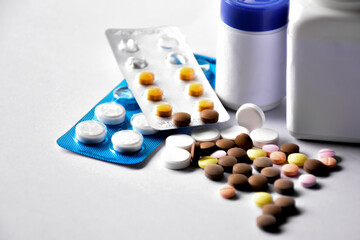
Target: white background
point(55, 65)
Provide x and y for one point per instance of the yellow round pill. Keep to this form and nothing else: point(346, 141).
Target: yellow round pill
point(204, 161)
point(254, 153)
point(205, 104)
point(187, 74)
point(297, 158)
point(163, 110)
point(196, 89)
point(146, 78)
point(262, 198)
point(154, 94)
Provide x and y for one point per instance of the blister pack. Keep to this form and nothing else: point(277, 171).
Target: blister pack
point(165, 78)
point(115, 130)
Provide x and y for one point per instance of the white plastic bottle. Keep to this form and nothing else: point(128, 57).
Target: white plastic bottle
point(323, 83)
point(251, 53)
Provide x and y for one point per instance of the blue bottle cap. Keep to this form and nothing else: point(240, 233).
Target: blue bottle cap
point(255, 15)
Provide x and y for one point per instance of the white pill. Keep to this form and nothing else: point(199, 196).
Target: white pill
point(127, 141)
point(263, 136)
point(176, 158)
point(90, 132)
point(250, 116)
point(205, 134)
point(233, 131)
point(110, 113)
point(139, 124)
point(180, 141)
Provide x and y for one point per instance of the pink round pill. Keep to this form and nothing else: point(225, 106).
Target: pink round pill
point(270, 148)
point(307, 180)
point(218, 154)
point(326, 152)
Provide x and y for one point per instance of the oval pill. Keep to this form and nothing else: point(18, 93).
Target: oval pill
point(290, 170)
point(284, 186)
point(258, 182)
point(224, 144)
point(262, 162)
point(154, 94)
point(314, 166)
point(204, 161)
point(270, 148)
point(214, 172)
point(243, 141)
point(297, 158)
point(329, 162)
point(163, 110)
point(181, 119)
point(289, 148)
point(278, 157)
point(307, 180)
point(238, 181)
point(242, 168)
point(218, 154)
point(266, 222)
point(227, 192)
point(271, 173)
point(209, 116)
point(239, 153)
point(272, 209)
point(90, 132)
point(187, 73)
point(262, 198)
point(227, 162)
point(196, 89)
point(146, 78)
point(255, 153)
point(205, 104)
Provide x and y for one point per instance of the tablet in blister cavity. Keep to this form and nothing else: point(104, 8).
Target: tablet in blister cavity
point(164, 75)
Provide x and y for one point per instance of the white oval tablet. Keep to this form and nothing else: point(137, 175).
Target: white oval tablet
point(176, 158)
point(180, 141)
point(263, 136)
point(139, 124)
point(250, 116)
point(127, 141)
point(90, 132)
point(233, 131)
point(110, 113)
point(205, 134)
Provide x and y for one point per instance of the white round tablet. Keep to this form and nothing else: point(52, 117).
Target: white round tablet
point(233, 131)
point(90, 132)
point(110, 113)
point(263, 136)
point(176, 158)
point(250, 116)
point(205, 134)
point(180, 141)
point(127, 141)
point(139, 124)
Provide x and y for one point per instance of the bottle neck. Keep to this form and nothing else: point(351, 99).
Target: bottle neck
point(350, 5)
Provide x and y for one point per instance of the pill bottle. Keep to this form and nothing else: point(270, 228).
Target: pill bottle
point(251, 52)
point(323, 79)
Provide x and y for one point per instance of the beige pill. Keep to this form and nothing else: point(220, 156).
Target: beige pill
point(227, 192)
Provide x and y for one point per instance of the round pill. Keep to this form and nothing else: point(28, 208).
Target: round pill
point(163, 110)
point(243, 141)
point(110, 113)
point(146, 78)
point(271, 173)
point(307, 180)
point(326, 152)
point(218, 154)
point(289, 148)
point(255, 153)
point(233, 131)
point(250, 116)
point(272, 209)
point(263, 136)
point(314, 166)
point(266, 222)
point(239, 153)
point(181, 119)
point(297, 158)
point(127, 141)
point(238, 181)
point(258, 182)
point(196, 89)
point(214, 172)
point(290, 170)
point(183, 141)
point(205, 134)
point(140, 124)
point(90, 132)
point(225, 144)
point(187, 73)
point(242, 168)
point(195, 153)
point(270, 148)
point(284, 186)
point(228, 192)
point(286, 203)
point(204, 161)
point(205, 104)
point(329, 162)
point(262, 198)
point(176, 158)
point(154, 94)
point(261, 162)
point(207, 148)
point(209, 116)
point(227, 162)
point(278, 157)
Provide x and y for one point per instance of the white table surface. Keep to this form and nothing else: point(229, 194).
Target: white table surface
point(55, 65)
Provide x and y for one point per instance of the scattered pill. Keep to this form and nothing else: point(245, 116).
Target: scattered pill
point(263, 136)
point(207, 148)
point(307, 180)
point(146, 78)
point(242, 168)
point(205, 104)
point(262, 162)
point(297, 158)
point(250, 116)
point(154, 94)
point(195, 153)
point(183, 141)
point(209, 116)
point(289, 148)
point(239, 153)
point(225, 144)
point(163, 110)
point(228, 192)
point(270, 148)
point(181, 119)
point(110, 113)
point(278, 157)
point(271, 173)
point(262, 198)
point(266, 222)
point(290, 170)
point(243, 141)
point(272, 209)
point(214, 172)
point(227, 162)
point(205, 134)
point(238, 181)
point(204, 161)
point(218, 154)
point(127, 141)
point(326, 152)
point(284, 186)
point(187, 74)
point(287, 204)
point(314, 166)
point(90, 132)
point(140, 124)
point(258, 182)
point(329, 162)
point(233, 131)
point(255, 153)
point(176, 158)
point(196, 89)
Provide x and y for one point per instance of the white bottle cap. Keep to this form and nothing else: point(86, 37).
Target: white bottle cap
point(139, 124)
point(176, 158)
point(180, 141)
point(250, 116)
point(110, 113)
point(90, 132)
point(127, 141)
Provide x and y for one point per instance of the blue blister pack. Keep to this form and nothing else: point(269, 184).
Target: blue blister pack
point(123, 96)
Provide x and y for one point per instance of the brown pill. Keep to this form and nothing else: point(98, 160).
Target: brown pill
point(214, 172)
point(228, 192)
point(207, 148)
point(272, 209)
point(289, 148)
point(195, 153)
point(181, 119)
point(271, 173)
point(227, 162)
point(284, 186)
point(225, 144)
point(258, 182)
point(243, 141)
point(287, 204)
point(314, 166)
point(242, 168)
point(266, 222)
point(262, 162)
point(239, 153)
point(238, 181)
point(209, 116)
